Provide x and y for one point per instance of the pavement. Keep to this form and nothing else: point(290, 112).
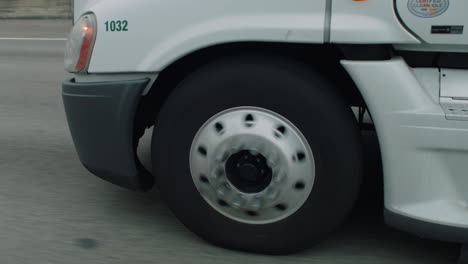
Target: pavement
point(35, 9)
point(53, 211)
point(34, 28)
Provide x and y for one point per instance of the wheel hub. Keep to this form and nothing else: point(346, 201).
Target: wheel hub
point(252, 165)
point(248, 173)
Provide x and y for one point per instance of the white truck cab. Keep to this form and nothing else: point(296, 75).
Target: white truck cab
point(255, 144)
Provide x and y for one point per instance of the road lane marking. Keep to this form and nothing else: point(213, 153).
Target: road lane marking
point(60, 39)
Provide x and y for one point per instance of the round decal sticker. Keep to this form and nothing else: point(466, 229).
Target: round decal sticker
point(428, 8)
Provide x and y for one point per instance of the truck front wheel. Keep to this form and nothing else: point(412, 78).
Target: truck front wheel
point(258, 154)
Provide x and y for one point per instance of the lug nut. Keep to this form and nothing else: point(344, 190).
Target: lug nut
point(272, 194)
point(279, 177)
point(272, 160)
point(256, 149)
point(237, 144)
point(238, 202)
point(234, 150)
point(256, 204)
point(223, 189)
point(222, 156)
point(217, 173)
point(254, 152)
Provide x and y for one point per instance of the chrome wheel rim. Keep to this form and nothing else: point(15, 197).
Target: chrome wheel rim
point(252, 165)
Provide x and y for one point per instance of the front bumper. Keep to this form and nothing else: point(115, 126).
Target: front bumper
point(426, 229)
point(101, 120)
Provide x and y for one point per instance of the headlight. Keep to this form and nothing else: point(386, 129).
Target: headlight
point(80, 44)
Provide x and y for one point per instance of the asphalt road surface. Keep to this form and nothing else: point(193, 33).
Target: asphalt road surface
point(53, 211)
point(35, 8)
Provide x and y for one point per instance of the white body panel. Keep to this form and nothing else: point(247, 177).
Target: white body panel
point(446, 13)
point(424, 155)
point(79, 6)
point(454, 93)
point(161, 31)
point(366, 23)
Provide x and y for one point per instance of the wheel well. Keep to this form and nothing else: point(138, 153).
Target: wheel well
point(324, 58)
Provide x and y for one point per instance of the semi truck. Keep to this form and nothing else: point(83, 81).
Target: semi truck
point(256, 145)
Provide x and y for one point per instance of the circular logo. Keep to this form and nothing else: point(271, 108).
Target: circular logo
point(428, 8)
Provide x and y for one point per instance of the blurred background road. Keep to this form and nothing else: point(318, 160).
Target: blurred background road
point(53, 211)
point(34, 9)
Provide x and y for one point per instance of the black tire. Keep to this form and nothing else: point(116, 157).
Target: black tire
point(463, 254)
point(294, 91)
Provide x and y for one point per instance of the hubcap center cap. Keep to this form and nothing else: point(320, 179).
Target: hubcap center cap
point(249, 173)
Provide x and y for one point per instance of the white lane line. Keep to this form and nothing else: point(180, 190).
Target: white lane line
point(53, 39)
